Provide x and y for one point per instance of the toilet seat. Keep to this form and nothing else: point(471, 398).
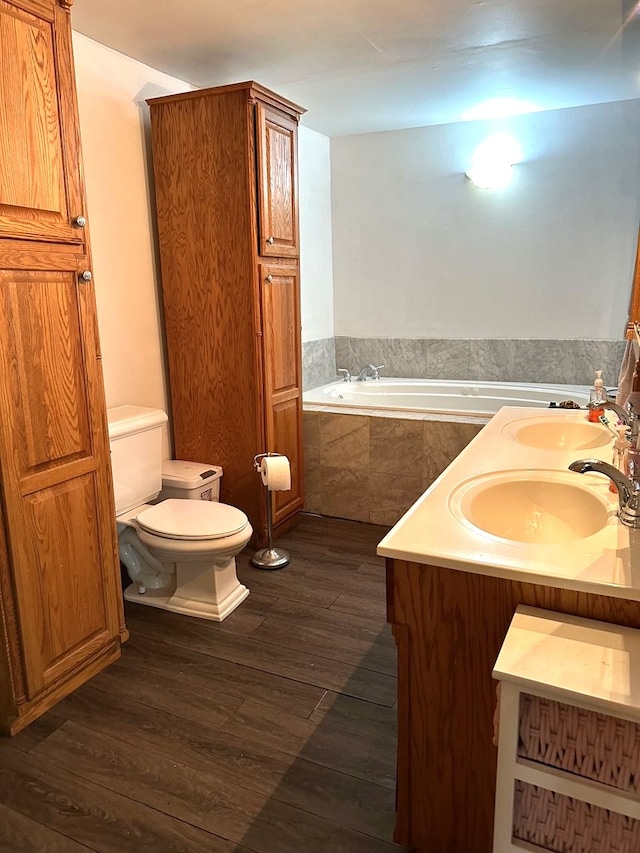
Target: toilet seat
point(192, 520)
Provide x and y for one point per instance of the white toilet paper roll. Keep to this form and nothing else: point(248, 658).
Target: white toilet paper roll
point(276, 473)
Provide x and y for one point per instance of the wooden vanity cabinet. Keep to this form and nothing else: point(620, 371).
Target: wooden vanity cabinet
point(225, 166)
point(60, 598)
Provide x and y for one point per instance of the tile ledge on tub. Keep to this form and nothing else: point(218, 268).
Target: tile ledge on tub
point(398, 414)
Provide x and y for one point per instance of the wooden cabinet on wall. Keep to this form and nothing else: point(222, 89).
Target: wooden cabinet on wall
point(60, 599)
point(225, 164)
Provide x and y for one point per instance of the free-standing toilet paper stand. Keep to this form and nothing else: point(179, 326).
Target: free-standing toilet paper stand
point(269, 557)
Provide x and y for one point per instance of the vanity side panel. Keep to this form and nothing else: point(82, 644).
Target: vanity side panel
point(401, 635)
point(452, 625)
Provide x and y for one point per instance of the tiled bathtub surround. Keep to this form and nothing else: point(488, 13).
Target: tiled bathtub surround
point(318, 363)
point(519, 360)
point(371, 468)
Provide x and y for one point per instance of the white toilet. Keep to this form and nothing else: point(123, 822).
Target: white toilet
point(179, 554)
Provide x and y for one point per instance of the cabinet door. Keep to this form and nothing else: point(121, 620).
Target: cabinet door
point(40, 186)
point(55, 472)
point(282, 370)
point(277, 183)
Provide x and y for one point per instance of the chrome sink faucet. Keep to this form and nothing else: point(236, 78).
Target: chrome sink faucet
point(628, 416)
point(370, 369)
point(628, 488)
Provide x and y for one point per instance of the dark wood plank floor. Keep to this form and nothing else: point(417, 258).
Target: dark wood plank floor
point(271, 732)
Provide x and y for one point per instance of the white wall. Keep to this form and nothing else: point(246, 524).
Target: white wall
point(420, 252)
point(111, 92)
point(316, 262)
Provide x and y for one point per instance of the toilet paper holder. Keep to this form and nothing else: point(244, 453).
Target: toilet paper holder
point(269, 557)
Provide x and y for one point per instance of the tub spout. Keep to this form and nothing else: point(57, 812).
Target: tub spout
point(628, 490)
point(370, 369)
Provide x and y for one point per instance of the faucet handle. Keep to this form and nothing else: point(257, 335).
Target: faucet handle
point(346, 374)
point(376, 370)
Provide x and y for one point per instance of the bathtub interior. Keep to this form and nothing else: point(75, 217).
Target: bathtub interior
point(484, 398)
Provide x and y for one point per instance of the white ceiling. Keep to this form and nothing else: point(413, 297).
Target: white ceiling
point(366, 65)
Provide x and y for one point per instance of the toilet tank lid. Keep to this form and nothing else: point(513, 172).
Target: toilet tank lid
point(127, 420)
point(188, 475)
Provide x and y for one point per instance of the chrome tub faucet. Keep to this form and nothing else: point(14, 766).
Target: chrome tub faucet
point(370, 371)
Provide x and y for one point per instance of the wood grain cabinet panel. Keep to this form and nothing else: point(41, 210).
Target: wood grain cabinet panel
point(61, 616)
point(282, 367)
point(281, 328)
point(59, 581)
point(40, 193)
point(277, 183)
point(49, 374)
point(284, 425)
point(225, 169)
point(55, 477)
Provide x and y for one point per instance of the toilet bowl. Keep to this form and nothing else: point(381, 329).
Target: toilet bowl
point(179, 554)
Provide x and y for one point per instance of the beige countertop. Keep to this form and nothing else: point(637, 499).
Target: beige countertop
point(436, 531)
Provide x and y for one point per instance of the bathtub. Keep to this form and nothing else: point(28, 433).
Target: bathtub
point(440, 396)
point(397, 438)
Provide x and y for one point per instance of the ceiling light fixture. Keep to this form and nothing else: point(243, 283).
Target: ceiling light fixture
point(492, 161)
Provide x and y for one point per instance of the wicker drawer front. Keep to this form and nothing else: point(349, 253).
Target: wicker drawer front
point(565, 825)
point(594, 746)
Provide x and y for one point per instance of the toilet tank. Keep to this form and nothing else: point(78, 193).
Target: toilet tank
point(135, 437)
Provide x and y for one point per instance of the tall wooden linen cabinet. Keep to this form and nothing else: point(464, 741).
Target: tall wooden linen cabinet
point(225, 165)
point(61, 618)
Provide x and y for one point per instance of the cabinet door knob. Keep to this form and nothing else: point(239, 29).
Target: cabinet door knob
point(269, 278)
point(79, 221)
point(270, 241)
point(86, 275)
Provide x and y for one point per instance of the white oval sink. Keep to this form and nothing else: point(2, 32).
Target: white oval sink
point(537, 507)
point(557, 433)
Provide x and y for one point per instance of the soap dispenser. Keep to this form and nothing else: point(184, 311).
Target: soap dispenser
point(598, 394)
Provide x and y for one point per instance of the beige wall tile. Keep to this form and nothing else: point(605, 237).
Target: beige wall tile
point(443, 441)
point(344, 441)
point(311, 439)
point(395, 446)
point(391, 496)
point(374, 469)
point(313, 488)
point(344, 493)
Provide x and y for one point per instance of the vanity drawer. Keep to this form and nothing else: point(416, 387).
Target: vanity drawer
point(582, 742)
point(562, 824)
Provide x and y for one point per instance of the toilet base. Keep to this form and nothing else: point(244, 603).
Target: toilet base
point(216, 612)
point(203, 588)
